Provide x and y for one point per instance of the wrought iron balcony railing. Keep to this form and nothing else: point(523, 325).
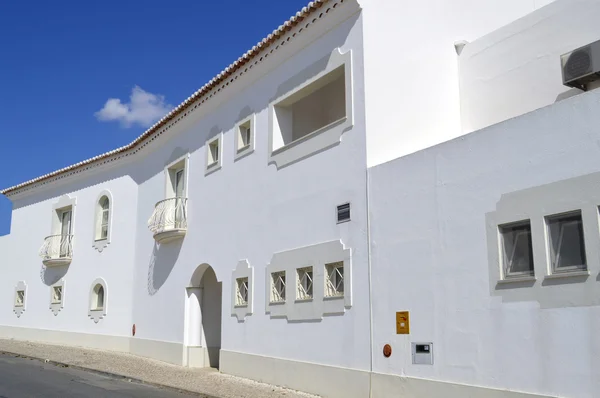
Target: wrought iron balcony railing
point(169, 220)
point(57, 250)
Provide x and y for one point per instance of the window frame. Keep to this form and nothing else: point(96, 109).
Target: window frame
point(278, 296)
point(504, 267)
point(94, 312)
point(305, 283)
point(98, 242)
point(331, 290)
point(553, 258)
point(20, 308)
point(242, 151)
point(211, 164)
point(57, 306)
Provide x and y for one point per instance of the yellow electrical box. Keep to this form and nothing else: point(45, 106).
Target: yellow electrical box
point(402, 323)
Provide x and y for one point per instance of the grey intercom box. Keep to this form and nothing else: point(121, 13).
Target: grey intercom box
point(422, 353)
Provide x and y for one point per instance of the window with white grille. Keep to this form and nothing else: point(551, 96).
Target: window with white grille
point(334, 283)
point(103, 218)
point(517, 250)
point(566, 245)
point(242, 291)
point(57, 294)
point(304, 283)
point(278, 287)
point(20, 298)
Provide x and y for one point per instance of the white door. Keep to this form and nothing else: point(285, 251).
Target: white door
point(180, 198)
point(65, 232)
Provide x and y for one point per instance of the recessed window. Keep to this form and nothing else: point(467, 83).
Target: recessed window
point(20, 298)
point(278, 287)
point(57, 294)
point(98, 298)
point(343, 213)
point(244, 136)
point(315, 107)
point(334, 284)
point(517, 250)
point(242, 291)
point(565, 241)
point(103, 218)
point(305, 283)
point(213, 154)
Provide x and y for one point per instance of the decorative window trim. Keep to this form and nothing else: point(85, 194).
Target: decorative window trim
point(20, 309)
point(241, 152)
point(324, 137)
point(182, 162)
point(97, 313)
point(63, 202)
point(536, 203)
point(242, 270)
point(56, 307)
point(101, 244)
point(213, 165)
point(315, 256)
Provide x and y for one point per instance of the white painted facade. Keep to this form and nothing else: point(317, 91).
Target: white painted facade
point(233, 210)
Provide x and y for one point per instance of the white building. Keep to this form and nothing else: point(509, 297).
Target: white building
point(281, 247)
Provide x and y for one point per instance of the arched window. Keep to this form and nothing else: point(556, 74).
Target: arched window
point(103, 218)
point(98, 297)
point(98, 301)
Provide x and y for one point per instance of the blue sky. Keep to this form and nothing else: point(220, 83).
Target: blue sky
point(62, 62)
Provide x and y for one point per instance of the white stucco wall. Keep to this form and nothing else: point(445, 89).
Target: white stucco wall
point(31, 223)
point(411, 67)
point(431, 257)
point(250, 209)
point(516, 69)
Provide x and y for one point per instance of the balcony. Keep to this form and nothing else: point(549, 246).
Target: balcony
point(169, 220)
point(57, 250)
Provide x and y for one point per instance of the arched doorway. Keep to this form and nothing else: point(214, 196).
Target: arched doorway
point(203, 318)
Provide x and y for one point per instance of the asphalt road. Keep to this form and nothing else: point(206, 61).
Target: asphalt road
point(30, 378)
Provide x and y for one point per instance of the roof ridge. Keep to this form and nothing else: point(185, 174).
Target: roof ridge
point(202, 91)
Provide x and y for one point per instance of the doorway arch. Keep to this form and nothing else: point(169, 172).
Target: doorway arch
point(203, 318)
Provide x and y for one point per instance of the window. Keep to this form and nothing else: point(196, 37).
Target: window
point(517, 251)
point(334, 284)
point(565, 242)
point(305, 283)
point(103, 218)
point(20, 298)
point(213, 154)
point(343, 213)
point(98, 298)
point(244, 136)
point(242, 291)
point(278, 287)
point(56, 294)
point(320, 104)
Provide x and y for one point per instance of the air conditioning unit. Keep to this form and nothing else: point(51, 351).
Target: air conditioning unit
point(582, 66)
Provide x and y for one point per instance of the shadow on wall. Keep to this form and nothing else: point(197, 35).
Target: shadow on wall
point(162, 261)
point(51, 275)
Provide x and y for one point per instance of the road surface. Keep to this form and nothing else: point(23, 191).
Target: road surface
point(30, 378)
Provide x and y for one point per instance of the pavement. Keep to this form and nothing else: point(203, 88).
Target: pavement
point(207, 383)
point(30, 378)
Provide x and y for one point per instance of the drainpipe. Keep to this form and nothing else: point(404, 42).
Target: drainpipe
point(367, 191)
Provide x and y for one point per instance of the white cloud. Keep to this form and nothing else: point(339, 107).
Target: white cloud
point(143, 109)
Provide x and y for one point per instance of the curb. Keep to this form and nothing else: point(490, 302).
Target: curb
point(116, 376)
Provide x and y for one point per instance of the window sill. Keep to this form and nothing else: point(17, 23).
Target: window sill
point(241, 305)
point(308, 136)
point(276, 302)
point(304, 300)
point(97, 310)
point(211, 168)
point(336, 297)
point(100, 240)
point(515, 279)
point(572, 274)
